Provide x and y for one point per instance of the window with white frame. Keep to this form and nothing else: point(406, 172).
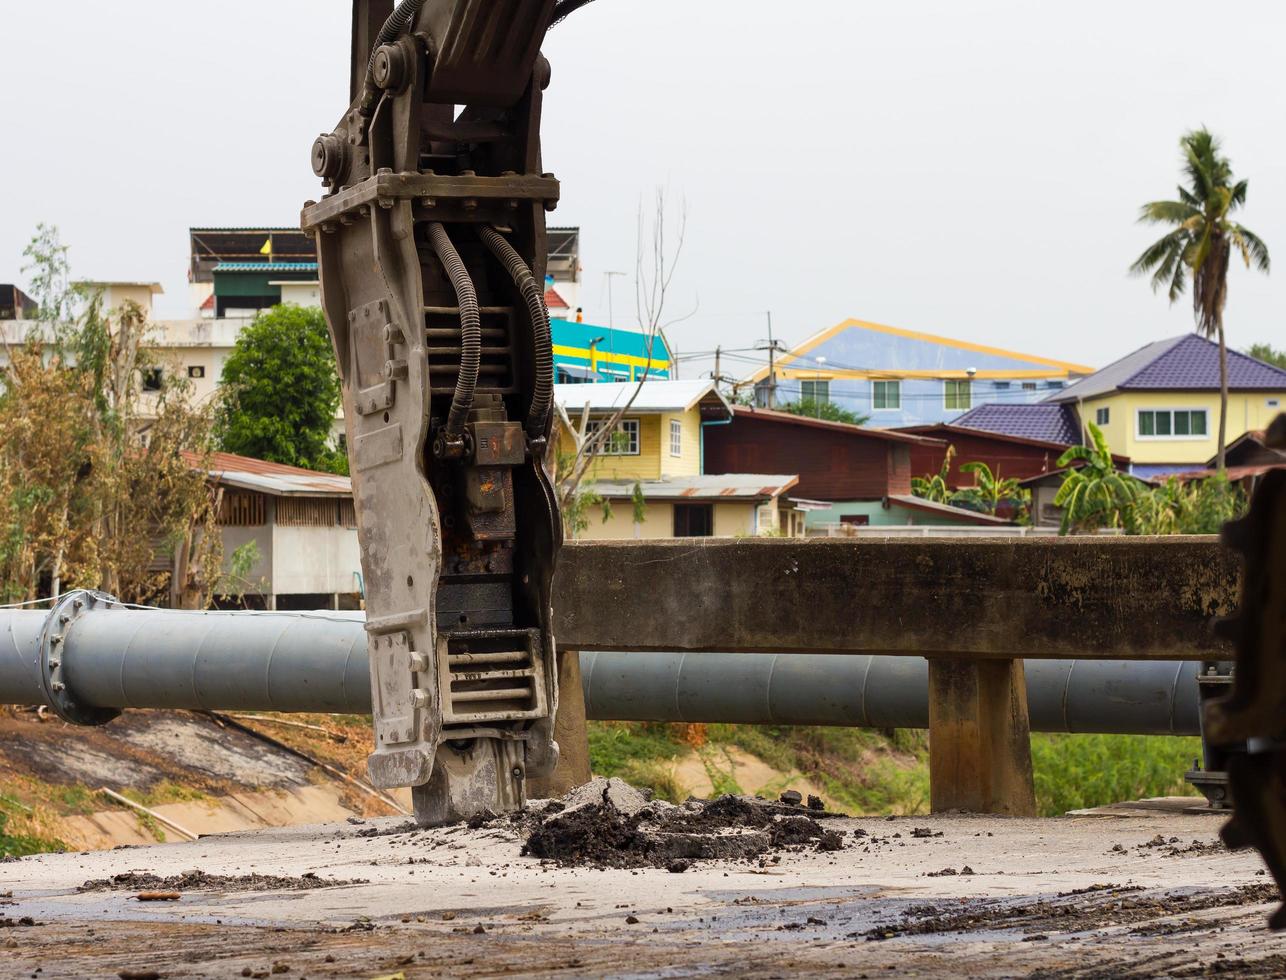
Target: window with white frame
point(958, 396)
point(815, 391)
point(1102, 416)
point(886, 396)
point(1172, 423)
point(676, 437)
point(623, 442)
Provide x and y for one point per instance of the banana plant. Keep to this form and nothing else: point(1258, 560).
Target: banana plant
point(1096, 494)
point(935, 488)
point(991, 493)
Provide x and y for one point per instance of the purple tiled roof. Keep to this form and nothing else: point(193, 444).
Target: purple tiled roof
point(1188, 362)
point(1194, 363)
point(1042, 421)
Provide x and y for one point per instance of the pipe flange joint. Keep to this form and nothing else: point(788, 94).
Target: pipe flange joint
point(53, 641)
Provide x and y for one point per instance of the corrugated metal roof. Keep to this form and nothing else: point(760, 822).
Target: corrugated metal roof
point(723, 487)
point(653, 396)
point(249, 228)
point(277, 479)
point(1041, 422)
point(266, 267)
point(857, 431)
point(1188, 362)
point(946, 510)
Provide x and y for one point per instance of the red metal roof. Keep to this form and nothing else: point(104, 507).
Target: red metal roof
point(554, 301)
point(274, 478)
point(859, 431)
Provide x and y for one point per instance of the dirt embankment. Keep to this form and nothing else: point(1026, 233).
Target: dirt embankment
point(199, 773)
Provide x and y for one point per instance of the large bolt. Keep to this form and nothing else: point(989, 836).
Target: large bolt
point(390, 67)
point(330, 156)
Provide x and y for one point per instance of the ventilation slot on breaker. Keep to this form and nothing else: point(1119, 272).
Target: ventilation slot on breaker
point(445, 348)
point(491, 676)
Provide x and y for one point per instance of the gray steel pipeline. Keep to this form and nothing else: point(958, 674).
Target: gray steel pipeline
point(132, 658)
point(1084, 696)
point(136, 658)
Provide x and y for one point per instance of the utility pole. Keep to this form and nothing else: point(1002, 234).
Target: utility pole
point(718, 375)
point(773, 348)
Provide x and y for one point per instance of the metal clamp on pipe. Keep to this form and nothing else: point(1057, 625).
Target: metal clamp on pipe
point(49, 663)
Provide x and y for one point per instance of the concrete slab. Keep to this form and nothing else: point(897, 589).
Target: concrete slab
point(1144, 895)
point(216, 815)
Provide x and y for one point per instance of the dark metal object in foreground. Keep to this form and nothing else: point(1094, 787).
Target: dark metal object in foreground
point(431, 243)
point(1255, 711)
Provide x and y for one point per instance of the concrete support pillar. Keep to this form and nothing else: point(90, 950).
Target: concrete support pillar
point(979, 738)
point(569, 732)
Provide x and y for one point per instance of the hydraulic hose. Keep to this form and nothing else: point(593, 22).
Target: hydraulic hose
point(543, 392)
point(565, 8)
point(470, 331)
point(397, 24)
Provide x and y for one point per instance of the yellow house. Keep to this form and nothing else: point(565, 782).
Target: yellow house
point(657, 448)
point(1160, 405)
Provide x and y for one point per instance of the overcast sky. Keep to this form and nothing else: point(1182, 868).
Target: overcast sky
point(971, 169)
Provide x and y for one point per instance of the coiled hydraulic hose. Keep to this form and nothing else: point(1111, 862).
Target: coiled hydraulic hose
point(399, 21)
point(543, 392)
point(565, 8)
point(470, 332)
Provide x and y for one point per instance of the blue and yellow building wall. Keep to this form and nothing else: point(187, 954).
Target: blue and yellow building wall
point(936, 379)
point(618, 355)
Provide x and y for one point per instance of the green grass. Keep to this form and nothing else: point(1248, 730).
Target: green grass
point(1078, 771)
point(871, 772)
point(642, 754)
point(18, 845)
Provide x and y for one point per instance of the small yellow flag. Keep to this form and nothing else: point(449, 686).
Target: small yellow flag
point(267, 247)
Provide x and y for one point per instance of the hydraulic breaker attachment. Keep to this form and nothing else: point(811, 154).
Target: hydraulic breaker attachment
point(431, 243)
point(1255, 711)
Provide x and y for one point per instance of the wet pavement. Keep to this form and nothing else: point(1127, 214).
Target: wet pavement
point(1141, 894)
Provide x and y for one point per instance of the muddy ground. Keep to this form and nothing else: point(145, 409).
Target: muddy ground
point(1142, 894)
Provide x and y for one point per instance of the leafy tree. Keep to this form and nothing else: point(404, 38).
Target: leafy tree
point(1201, 244)
point(991, 493)
point(93, 473)
point(1268, 354)
point(936, 488)
point(48, 272)
point(282, 391)
point(1189, 507)
point(825, 410)
point(1095, 494)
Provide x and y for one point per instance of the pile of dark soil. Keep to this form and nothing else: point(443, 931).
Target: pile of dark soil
point(197, 880)
point(659, 835)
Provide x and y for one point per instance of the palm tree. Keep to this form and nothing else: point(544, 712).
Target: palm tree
point(1201, 244)
point(1095, 494)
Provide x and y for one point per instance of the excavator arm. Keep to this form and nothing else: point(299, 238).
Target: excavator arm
point(431, 244)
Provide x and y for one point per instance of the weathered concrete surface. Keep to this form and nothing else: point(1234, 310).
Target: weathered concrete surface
point(1115, 598)
point(569, 732)
point(456, 902)
point(980, 738)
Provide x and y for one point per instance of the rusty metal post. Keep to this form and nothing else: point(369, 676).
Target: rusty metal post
point(979, 738)
point(570, 733)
